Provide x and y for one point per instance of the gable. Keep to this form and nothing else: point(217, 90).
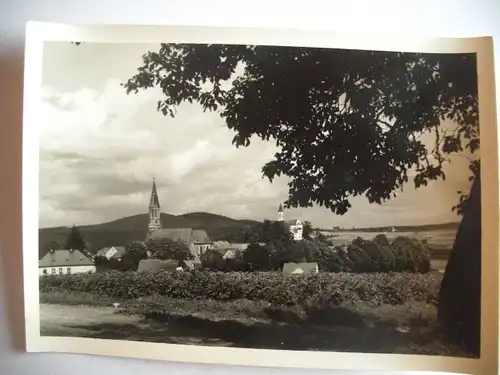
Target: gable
point(103, 251)
point(119, 251)
point(295, 268)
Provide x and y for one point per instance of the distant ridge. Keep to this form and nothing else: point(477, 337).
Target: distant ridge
point(122, 231)
point(402, 228)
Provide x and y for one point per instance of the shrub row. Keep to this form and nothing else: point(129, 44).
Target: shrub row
point(274, 287)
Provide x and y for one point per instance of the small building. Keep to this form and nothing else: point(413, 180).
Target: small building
point(158, 264)
point(300, 268)
point(63, 261)
point(230, 250)
point(113, 252)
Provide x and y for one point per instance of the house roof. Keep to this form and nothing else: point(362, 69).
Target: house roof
point(120, 250)
point(186, 235)
point(221, 244)
point(64, 258)
point(294, 267)
point(157, 264)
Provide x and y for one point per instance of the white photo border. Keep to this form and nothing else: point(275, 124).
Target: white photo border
point(37, 33)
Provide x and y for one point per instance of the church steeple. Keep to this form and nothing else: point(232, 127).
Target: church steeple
point(281, 214)
point(154, 209)
point(154, 202)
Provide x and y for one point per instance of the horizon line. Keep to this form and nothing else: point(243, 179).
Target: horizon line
point(211, 213)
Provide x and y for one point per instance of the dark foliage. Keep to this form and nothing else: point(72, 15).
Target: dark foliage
point(274, 287)
point(362, 111)
point(166, 249)
point(75, 240)
point(258, 257)
point(134, 253)
point(307, 230)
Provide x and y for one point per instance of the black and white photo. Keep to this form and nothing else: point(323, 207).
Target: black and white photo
point(257, 196)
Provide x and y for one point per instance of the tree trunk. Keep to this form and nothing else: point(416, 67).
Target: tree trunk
point(459, 306)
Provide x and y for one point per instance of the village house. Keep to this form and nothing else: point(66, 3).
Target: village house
point(295, 225)
point(197, 240)
point(230, 250)
point(113, 252)
point(64, 261)
point(300, 268)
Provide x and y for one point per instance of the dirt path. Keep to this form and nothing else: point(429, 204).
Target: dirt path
point(103, 322)
point(62, 320)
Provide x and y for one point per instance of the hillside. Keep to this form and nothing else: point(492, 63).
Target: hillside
point(122, 231)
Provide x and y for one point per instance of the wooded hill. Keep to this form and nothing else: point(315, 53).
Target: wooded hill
point(122, 231)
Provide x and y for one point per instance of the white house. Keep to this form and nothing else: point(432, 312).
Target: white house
point(61, 262)
point(295, 225)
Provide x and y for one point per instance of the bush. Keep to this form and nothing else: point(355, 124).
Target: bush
point(361, 261)
point(411, 255)
point(273, 287)
point(212, 260)
point(379, 251)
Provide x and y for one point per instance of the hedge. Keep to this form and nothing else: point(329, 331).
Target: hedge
point(274, 287)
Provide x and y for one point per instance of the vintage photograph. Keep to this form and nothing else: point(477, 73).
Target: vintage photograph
point(264, 197)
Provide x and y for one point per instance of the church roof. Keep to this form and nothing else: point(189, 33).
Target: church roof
point(280, 208)
point(199, 235)
point(292, 221)
point(186, 235)
point(154, 202)
point(175, 234)
point(64, 258)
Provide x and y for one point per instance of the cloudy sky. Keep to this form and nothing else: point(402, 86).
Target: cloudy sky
point(100, 149)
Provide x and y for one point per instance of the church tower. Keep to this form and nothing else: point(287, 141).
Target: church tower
point(154, 210)
point(281, 214)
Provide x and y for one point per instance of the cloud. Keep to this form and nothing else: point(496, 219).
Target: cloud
point(100, 148)
point(97, 160)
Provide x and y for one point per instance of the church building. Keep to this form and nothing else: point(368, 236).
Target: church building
point(197, 240)
point(295, 225)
